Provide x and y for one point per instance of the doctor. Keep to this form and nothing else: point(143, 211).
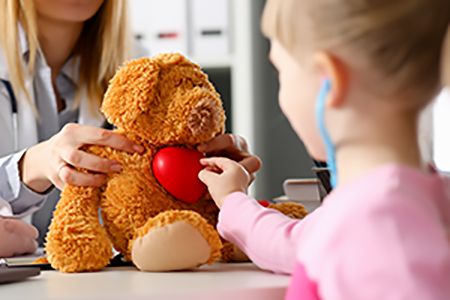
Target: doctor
point(56, 58)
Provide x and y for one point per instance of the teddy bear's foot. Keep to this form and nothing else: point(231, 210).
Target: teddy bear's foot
point(175, 246)
point(231, 253)
point(175, 240)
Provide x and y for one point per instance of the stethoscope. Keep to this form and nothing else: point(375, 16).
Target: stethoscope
point(15, 121)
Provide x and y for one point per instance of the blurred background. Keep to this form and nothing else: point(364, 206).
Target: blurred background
point(224, 38)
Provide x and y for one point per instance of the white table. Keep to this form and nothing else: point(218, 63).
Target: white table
point(220, 281)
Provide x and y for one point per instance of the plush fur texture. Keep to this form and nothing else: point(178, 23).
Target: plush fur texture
point(157, 102)
point(163, 101)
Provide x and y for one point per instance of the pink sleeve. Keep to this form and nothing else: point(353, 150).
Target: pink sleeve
point(267, 236)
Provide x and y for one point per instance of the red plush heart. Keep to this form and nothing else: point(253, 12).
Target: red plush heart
point(176, 169)
point(264, 203)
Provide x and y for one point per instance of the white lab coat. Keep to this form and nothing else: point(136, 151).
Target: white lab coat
point(27, 124)
point(27, 129)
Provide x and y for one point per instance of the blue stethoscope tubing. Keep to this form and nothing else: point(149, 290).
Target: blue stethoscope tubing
point(320, 118)
point(14, 111)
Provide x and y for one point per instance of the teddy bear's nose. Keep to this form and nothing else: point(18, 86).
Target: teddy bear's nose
point(205, 118)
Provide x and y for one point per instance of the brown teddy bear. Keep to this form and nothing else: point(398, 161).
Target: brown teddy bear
point(163, 103)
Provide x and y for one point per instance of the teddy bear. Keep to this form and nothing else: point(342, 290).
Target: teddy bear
point(155, 211)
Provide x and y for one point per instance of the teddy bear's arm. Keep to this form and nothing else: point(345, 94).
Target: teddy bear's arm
point(76, 241)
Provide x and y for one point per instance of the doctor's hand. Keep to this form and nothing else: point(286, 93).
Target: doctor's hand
point(234, 147)
point(223, 177)
point(53, 161)
point(17, 237)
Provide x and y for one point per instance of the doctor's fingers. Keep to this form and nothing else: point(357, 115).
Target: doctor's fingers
point(234, 147)
point(229, 145)
point(68, 175)
point(78, 135)
point(252, 164)
point(20, 227)
point(18, 244)
point(90, 162)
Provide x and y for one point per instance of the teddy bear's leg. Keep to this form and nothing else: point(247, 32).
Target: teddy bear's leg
point(76, 241)
point(231, 253)
point(175, 240)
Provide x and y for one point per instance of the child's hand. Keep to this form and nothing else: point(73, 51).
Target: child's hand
point(234, 147)
point(223, 176)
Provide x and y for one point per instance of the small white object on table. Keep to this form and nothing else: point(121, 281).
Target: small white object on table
point(303, 191)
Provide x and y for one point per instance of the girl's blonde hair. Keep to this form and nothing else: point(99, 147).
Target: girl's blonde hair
point(103, 45)
point(403, 40)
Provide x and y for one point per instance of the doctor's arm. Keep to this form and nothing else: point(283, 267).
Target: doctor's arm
point(22, 200)
point(16, 236)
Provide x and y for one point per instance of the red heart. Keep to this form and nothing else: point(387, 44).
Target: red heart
point(264, 203)
point(176, 169)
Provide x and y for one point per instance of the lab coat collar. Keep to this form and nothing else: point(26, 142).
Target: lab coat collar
point(70, 69)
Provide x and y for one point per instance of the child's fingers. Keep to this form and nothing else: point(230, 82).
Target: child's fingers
point(207, 177)
point(218, 162)
point(23, 244)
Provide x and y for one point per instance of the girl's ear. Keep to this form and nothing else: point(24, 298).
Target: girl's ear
point(333, 69)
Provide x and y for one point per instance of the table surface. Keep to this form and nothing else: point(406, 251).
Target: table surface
point(220, 281)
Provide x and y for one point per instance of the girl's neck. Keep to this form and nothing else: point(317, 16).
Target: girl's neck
point(388, 139)
point(57, 40)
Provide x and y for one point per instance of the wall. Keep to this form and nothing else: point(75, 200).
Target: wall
point(282, 153)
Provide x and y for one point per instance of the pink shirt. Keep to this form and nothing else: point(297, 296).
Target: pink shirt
point(385, 236)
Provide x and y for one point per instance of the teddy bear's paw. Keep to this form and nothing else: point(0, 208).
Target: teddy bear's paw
point(231, 253)
point(175, 246)
point(290, 209)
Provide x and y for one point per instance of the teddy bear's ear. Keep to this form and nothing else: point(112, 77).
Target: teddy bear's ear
point(130, 92)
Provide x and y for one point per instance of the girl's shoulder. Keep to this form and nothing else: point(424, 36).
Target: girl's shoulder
point(390, 187)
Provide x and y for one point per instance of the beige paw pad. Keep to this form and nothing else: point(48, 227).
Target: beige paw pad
point(175, 246)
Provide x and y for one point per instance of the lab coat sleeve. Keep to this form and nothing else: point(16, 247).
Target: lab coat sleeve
point(21, 199)
point(5, 208)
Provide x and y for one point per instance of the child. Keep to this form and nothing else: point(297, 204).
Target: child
point(383, 232)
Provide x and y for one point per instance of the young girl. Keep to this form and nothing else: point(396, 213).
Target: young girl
point(354, 76)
